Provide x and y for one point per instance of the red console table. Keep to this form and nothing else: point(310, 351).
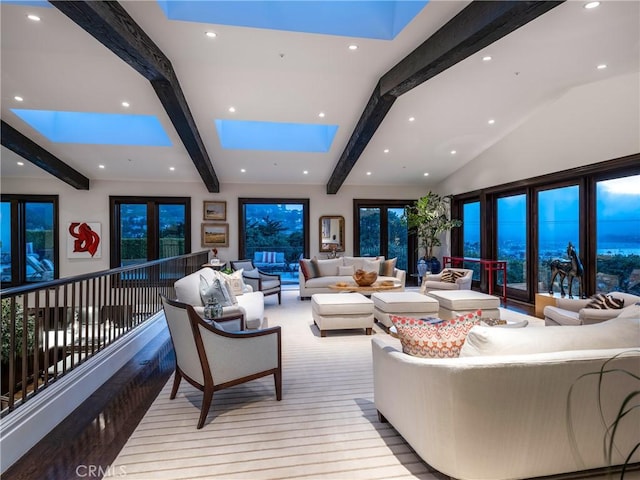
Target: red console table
point(489, 265)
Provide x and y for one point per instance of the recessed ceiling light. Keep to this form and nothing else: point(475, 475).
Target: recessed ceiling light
point(211, 34)
point(101, 166)
point(126, 104)
point(306, 172)
point(411, 119)
point(20, 163)
point(486, 58)
point(353, 47)
point(386, 150)
point(368, 173)
point(171, 169)
point(426, 174)
point(243, 170)
point(453, 152)
point(491, 122)
point(232, 109)
point(18, 98)
point(591, 5)
point(33, 17)
point(321, 114)
point(602, 66)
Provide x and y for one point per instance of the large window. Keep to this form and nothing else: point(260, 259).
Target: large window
point(381, 230)
point(618, 234)
point(471, 236)
point(275, 226)
point(29, 243)
point(146, 229)
point(558, 225)
point(512, 239)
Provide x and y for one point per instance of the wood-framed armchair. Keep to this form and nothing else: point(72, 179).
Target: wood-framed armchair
point(267, 283)
point(211, 359)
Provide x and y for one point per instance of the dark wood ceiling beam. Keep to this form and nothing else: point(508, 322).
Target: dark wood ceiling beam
point(34, 153)
point(110, 24)
point(476, 26)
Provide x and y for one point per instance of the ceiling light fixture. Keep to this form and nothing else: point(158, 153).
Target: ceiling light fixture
point(211, 34)
point(126, 104)
point(18, 98)
point(368, 173)
point(411, 119)
point(171, 169)
point(591, 5)
point(20, 163)
point(426, 174)
point(33, 17)
point(243, 170)
point(232, 109)
point(353, 47)
point(321, 114)
point(101, 166)
point(386, 150)
point(491, 122)
point(453, 152)
point(486, 58)
point(306, 172)
point(602, 66)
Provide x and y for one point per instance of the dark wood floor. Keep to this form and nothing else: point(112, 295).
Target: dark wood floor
point(91, 437)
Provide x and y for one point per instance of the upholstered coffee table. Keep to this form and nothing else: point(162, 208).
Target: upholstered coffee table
point(465, 301)
point(338, 311)
point(402, 304)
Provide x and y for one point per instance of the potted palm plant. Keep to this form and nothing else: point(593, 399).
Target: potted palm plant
point(430, 217)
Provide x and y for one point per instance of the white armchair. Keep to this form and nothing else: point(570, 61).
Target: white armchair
point(434, 281)
point(573, 311)
point(210, 359)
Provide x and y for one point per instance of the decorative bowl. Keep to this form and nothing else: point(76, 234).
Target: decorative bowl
point(365, 279)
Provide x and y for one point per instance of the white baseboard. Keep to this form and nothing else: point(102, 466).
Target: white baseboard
point(28, 424)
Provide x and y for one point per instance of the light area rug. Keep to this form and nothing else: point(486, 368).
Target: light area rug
point(325, 426)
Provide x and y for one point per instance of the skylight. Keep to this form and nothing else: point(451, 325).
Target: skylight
point(288, 137)
point(96, 128)
point(365, 19)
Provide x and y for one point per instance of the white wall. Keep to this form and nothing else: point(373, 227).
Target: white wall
point(93, 206)
point(588, 124)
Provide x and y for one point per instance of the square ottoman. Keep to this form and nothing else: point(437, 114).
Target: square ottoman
point(337, 311)
point(404, 304)
point(465, 301)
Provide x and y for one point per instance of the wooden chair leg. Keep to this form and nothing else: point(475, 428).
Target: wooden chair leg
point(279, 299)
point(176, 382)
point(207, 398)
point(277, 377)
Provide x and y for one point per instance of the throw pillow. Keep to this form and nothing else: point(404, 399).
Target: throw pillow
point(235, 282)
point(214, 291)
point(328, 268)
point(423, 338)
point(308, 270)
point(371, 265)
point(344, 271)
point(387, 267)
point(603, 302)
point(450, 276)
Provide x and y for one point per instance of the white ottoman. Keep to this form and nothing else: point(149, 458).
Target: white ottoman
point(337, 311)
point(465, 301)
point(404, 304)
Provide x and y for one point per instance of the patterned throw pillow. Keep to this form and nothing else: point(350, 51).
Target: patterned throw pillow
point(387, 267)
point(603, 302)
point(214, 291)
point(422, 338)
point(450, 276)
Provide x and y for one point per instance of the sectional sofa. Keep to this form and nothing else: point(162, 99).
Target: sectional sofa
point(518, 402)
point(315, 275)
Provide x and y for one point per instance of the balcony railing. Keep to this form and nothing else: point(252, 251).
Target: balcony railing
point(50, 328)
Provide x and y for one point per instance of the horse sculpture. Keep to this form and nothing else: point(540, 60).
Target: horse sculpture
point(568, 269)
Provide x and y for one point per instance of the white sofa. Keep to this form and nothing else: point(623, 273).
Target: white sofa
point(499, 411)
point(331, 271)
point(250, 303)
point(573, 311)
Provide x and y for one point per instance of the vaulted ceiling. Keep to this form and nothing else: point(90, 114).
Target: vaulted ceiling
point(423, 99)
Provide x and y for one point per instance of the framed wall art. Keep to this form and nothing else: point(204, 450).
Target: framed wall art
point(214, 210)
point(215, 235)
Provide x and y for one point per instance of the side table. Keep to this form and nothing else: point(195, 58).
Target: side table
point(215, 266)
point(542, 300)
